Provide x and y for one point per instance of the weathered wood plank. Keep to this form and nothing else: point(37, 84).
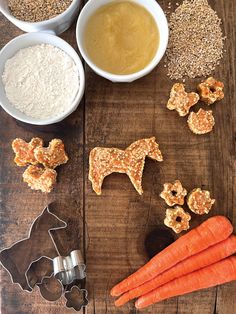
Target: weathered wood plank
point(19, 206)
point(118, 114)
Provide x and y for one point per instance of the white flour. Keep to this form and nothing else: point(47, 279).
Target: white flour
point(41, 81)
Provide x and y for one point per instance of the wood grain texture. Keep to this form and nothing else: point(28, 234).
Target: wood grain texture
point(117, 221)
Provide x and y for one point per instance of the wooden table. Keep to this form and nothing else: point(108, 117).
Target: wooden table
point(113, 226)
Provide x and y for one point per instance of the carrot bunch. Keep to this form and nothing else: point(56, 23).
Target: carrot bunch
point(199, 259)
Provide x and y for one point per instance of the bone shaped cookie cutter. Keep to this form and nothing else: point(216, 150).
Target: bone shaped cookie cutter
point(42, 264)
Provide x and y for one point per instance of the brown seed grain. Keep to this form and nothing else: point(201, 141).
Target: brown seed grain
point(196, 41)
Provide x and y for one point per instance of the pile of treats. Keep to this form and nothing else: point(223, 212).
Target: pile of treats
point(209, 92)
point(198, 201)
point(40, 173)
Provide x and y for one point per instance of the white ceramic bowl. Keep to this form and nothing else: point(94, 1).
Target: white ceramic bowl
point(31, 39)
point(154, 8)
point(56, 25)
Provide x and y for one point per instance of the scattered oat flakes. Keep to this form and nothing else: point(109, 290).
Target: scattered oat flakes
point(173, 193)
point(177, 219)
point(211, 90)
point(196, 41)
point(199, 201)
point(104, 161)
point(39, 178)
point(180, 100)
point(201, 122)
point(52, 156)
point(25, 151)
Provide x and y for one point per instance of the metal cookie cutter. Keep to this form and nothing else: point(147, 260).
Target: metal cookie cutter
point(43, 266)
point(76, 298)
point(69, 268)
point(39, 244)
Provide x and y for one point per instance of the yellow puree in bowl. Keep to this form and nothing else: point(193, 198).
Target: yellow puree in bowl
point(121, 37)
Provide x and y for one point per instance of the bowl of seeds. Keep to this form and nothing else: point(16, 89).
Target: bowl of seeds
point(51, 16)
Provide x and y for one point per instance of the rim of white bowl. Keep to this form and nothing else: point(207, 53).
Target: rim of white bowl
point(75, 103)
point(126, 77)
point(41, 23)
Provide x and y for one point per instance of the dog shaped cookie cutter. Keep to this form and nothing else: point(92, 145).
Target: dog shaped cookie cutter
point(53, 267)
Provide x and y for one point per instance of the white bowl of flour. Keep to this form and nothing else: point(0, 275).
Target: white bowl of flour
point(41, 79)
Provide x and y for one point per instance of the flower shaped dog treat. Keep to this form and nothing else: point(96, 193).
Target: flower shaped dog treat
point(173, 193)
point(52, 156)
point(104, 161)
point(180, 100)
point(25, 151)
point(177, 219)
point(39, 178)
point(201, 122)
point(211, 90)
point(200, 202)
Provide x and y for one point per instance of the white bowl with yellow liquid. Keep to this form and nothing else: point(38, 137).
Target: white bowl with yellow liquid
point(90, 9)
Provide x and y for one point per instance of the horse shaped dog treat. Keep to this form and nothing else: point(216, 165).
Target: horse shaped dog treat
point(18, 258)
point(104, 161)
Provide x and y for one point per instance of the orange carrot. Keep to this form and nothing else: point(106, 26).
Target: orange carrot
point(210, 232)
point(210, 276)
point(205, 258)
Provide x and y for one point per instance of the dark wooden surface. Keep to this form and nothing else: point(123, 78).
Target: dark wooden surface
point(114, 225)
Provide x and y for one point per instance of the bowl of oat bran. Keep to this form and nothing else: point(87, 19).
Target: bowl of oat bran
point(41, 79)
point(30, 16)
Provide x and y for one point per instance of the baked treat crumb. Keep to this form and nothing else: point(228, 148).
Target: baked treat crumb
point(180, 100)
point(173, 193)
point(199, 201)
point(211, 90)
point(177, 219)
point(201, 122)
point(39, 178)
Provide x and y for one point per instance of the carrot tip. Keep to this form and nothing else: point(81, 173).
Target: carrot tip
point(118, 304)
point(114, 293)
point(137, 305)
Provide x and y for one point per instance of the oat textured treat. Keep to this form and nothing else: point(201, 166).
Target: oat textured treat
point(25, 151)
point(173, 193)
point(104, 161)
point(52, 156)
point(201, 122)
point(177, 219)
point(180, 100)
point(39, 178)
point(211, 90)
point(199, 201)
